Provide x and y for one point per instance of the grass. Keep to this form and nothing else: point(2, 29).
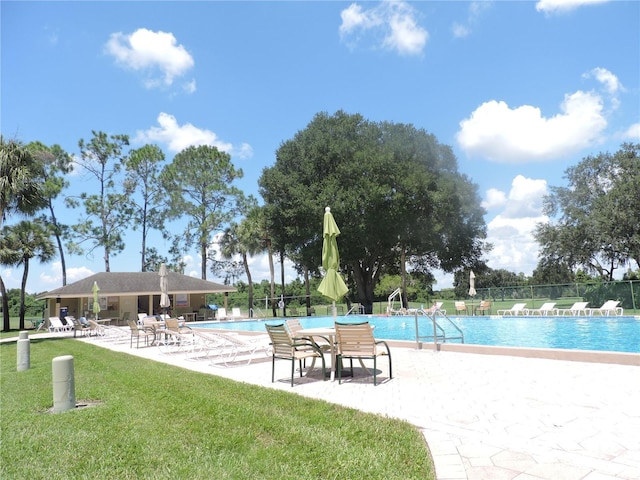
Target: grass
point(159, 421)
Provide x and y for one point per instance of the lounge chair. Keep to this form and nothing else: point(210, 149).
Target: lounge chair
point(96, 329)
point(460, 307)
point(228, 348)
point(544, 310)
point(141, 317)
point(436, 307)
point(485, 306)
point(610, 307)
point(355, 340)
point(577, 309)
point(236, 314)
point(78, 326)
point(56, 325)
point(294, 311)
point(283, 346)
point(139, 332)
point(517, 309)
point(222, 314)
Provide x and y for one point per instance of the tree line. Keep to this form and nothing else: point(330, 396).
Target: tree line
point(402, 206)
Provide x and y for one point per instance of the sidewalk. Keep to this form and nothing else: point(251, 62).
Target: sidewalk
point(484, 416)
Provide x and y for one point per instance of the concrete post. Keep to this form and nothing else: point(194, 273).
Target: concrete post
point(24, 352)
point(64, 394)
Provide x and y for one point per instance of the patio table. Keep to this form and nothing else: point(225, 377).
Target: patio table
point(328, 332)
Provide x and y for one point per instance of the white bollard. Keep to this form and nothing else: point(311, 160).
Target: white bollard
point(64, 394)
point(24, 353)
point(23, 335)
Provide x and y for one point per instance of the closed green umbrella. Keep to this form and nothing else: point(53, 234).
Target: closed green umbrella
point(332, 285)
point(96, 300)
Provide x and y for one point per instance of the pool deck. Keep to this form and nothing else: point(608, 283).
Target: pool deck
point(484, 416)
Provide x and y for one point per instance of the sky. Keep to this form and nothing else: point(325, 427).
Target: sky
point(521, 91)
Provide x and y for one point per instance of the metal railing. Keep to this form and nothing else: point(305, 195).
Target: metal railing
point(439, 332)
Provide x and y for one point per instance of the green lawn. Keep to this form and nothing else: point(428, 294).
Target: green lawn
point(158, 421)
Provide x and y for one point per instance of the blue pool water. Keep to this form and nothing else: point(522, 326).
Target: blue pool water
point(617, 334)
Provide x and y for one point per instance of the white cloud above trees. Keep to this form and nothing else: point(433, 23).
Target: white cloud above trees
point(389, 25)
point(559, 6)
point(157, 55)
point(523, 134)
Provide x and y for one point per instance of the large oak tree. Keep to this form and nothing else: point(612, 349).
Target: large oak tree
point(596, 219)
point(395, 193)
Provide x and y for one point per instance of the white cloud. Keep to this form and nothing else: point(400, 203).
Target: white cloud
point(511, 231)
point(178, 137)
point(394, 21)
point(557, 6)
point(190, 87)
point(149, 52)
point(461, 30)
point(632, 133)
point(523, 134)
point(494, 199)
point(608, 79)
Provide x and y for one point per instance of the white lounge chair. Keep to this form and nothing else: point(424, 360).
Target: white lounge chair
point(577, 309)
point(610, 307)
point(236, 314)
point(56, 325)
point(517, 309)
point(544, 310)
point(222, 314)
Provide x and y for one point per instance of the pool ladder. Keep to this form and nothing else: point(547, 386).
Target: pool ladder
point(439, 334)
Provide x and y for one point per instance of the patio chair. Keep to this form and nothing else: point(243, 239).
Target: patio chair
point(294, 326)
point(460, 307)
point(294, 311)
point(544, 310)
point(285, 347)
point(139, 332)
point(173, 325)
point(485, 306)
point(236, 314)
point(577, 309)
point(517, 309)
point(355, 340)
point(610, 307)
point(222, 314)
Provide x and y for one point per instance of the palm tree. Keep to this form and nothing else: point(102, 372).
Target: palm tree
point(20, 188)
point(55, 165)
point(24, 241)
point(240, 239)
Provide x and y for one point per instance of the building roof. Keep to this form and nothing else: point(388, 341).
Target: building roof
point(135, 283)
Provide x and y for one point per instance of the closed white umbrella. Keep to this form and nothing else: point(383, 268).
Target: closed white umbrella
point(96, 300)
point(472, 284)
point(472, 288)
point(164, 287)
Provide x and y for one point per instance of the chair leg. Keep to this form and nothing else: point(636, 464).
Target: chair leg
point(339, 362)
point(293, 369)
point(374, 370)
point(273, 369)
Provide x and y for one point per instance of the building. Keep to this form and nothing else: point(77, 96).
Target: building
point(124, 295)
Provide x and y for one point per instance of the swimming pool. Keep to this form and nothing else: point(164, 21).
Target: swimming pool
point(614, 334)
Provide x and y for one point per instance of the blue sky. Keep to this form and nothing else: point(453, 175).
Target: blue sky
point(519, 90)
